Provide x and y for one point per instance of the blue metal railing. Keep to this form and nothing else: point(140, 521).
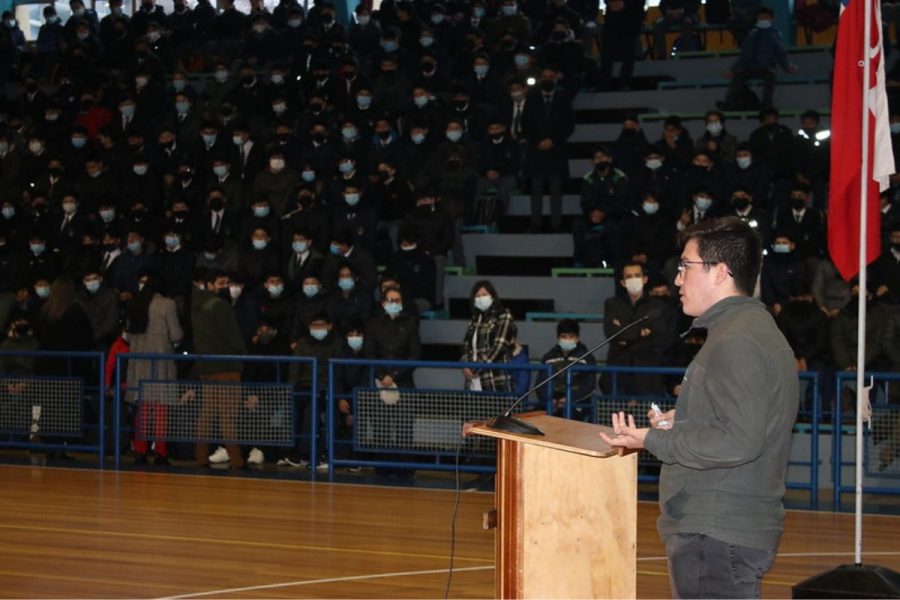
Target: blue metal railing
point(92, 388)
point(281, 376)
point(879, 397)
point(335, 461)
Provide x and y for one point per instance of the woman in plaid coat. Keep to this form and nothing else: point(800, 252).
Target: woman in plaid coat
point(488, 340)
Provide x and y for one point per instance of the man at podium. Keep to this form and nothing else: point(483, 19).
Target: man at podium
point(724, 447)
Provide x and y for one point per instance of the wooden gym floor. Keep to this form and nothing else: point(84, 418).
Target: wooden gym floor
point(68, 533)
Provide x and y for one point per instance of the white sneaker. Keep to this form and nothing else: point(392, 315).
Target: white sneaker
point(322, 466)
point(256, 457)
point(290, 462)
point(219, 456)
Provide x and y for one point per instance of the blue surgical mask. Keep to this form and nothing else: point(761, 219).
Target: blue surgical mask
point(418, 138)
point(127, 110)
point(42, 291)
point(310, 290)
point(261, 212)
point(349, 133)
point(237, 140)
point(260, 244)
point(703, 203)
point(651, 208)
point(351, 199)
point(421, 101)
point(37, 249)
point(522, 60)
point(426, 41)
point(209, 139)
point(275, 290)
point(299, 247)
point(364, 101)
point(763, 24)
point(318, 333)
point(140, 169)
point(107, 215)
point(346, 283)
point(895, 127)
point(566, 345)
point(393, 308)
point(781, 248)
point(134, 247)
point(220, 170)
point(182, 107)
point(308, 176)
point(438, 18)
point(9, 212)
point(179, 84)
point(355, 342)
point(481, 70)
point(508, 10)
point(389, 46)
point(478, 11)
point(172, 241)
point(335, 249)
point(346, 167)
point(79, 142)
point(454, 135)
point(483, 303)
point(92, 286)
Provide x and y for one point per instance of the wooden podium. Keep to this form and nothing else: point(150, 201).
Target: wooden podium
point(566, 512)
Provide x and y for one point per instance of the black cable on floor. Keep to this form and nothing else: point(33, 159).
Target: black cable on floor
point(453, 522)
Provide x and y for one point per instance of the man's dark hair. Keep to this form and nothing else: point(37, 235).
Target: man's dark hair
point(732, 242)
point(568, 326)
point(633, 263)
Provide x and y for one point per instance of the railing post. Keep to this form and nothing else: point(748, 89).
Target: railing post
point(117, 413)
point(101, 392)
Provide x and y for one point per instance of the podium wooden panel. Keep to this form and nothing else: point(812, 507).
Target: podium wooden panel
point(566, 513)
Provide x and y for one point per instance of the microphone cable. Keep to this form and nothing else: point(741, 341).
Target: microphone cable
point(453, 521)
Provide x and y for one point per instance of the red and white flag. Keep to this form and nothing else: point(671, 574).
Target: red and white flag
point(846, 138)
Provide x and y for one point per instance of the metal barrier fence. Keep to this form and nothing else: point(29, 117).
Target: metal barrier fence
point(185, 398)
point(53, 401)
point(603, 404)
point(410, 428)
point(881, 445)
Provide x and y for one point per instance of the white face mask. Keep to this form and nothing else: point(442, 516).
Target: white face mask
point(714, 128)
point(744, 162)
point(483, 303)
point(634, 285)
point(653, 163)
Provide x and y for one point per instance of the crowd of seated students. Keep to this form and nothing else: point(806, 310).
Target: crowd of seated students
point(296, 151)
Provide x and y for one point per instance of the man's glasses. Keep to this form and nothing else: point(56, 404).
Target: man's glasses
point(683, 264)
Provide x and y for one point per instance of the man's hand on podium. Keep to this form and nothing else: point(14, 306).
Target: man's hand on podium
point(627, 434)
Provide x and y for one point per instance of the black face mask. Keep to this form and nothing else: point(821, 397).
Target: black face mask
point(39, 209)
point(460, 104)
point(603, 165)
point(428, 68)
point(217, 204)
point(559, 36)
point(22, 329)
point(740, 203)
point(798, 203)
point(316, 106)
point(318, 138)
point(496, 136)
point(895, 247)
point(246, 80)
point(548, 85)
point(186, 176)
point(54, 171)
point(224, 294)
point(384, 175)
point(385, 135)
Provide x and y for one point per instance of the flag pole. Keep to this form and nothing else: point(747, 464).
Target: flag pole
point(861, 311)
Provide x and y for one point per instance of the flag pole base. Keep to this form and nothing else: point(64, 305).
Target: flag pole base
point(851, 581)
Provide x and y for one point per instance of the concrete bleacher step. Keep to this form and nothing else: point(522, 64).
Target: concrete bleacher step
point(813, 62)
point(568, 294)
point(689, 100)
point(520, 205)
point(502, 253)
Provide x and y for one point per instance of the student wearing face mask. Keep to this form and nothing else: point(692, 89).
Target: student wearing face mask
point(649, 230)
point(276, 303)
point(322, 342)
point(348, 303)
point(717, 140)
point(640, 346)
point(312, 299)
point(259, 257)
point(567, 350)
point(804, 224)
point(415, 270)
point(261, 214)
point(101, 304)
point(753, 175)
point(782, 269)
point(487, 340)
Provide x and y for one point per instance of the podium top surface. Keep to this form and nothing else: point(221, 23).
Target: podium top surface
point(562, 434)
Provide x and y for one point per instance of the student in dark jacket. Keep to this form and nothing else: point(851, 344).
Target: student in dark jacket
point(805, 327)
point(312, 300)
point(415, 270)
point(322, 343)
point(567, 350)
point(215, 331)
point(393, 335)
point(348, 303)
point(497, 164)
point(640, 346)
point(782, 269)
